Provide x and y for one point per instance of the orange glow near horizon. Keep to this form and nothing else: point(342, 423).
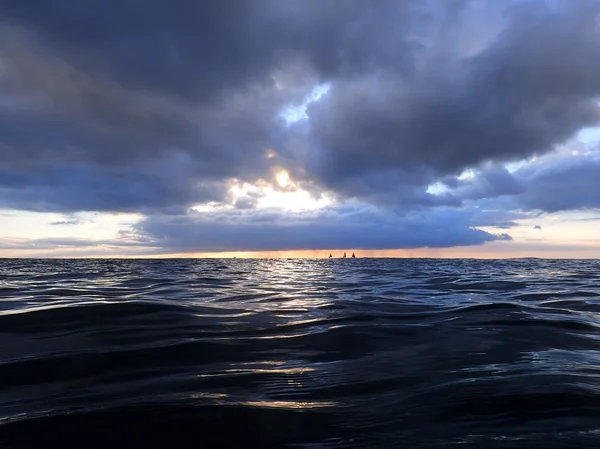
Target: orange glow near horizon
point(493, 250)
point(524, 246)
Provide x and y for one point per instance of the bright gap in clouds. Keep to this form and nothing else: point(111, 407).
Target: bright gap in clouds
point(584, 142)
point(589, 137)
point(82, 225)
point(292, 199)
point(88, 231)
point(266, 196)
point(295, 113)
point(438, 188)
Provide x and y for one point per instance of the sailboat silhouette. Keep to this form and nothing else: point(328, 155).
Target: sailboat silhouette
point(330, 255)
point(353, 256)
point(344, 255)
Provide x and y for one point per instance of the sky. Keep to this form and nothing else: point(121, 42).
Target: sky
point(300, 128)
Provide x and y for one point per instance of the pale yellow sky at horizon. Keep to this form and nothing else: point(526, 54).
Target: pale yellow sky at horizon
point(563, 235)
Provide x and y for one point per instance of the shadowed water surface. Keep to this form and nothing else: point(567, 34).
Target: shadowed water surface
point(299, 353)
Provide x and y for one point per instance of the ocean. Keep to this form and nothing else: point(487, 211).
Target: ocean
point(344, 353)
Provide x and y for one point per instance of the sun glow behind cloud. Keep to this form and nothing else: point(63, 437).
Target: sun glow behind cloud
point(283, 178)
point(283, 194)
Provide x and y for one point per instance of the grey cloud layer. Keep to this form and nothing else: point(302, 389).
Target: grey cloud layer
point(532, 87)
point(333, 228)
point(551, 184)
point(154, 106)
point(571, 185)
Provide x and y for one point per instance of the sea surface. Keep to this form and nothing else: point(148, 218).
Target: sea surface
point(345, 353)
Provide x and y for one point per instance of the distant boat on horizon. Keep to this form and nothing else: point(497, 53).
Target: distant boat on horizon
point(353, 256)
point(330, 255)
point(344, 255)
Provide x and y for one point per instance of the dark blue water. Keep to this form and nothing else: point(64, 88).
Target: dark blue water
point(381, 353)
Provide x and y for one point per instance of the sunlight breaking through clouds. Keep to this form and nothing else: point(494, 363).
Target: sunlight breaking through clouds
point(283, 194)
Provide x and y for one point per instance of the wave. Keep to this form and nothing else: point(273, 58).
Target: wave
point(299, 353)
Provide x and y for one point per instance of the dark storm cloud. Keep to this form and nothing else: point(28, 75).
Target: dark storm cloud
point(533, 86)
point(155, 106)
point(567, 185)
point(557, 182)
point(85, 188)
point(187, 48)
point(61, 116)
point(197, 49)
point(492, 180)
point(334, 228)
point(149, 76)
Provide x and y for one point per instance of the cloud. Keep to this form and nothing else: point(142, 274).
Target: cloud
point(69, 243)
point(569, 185)
point(65, 223)
point(71, 188)
point(559, 181)
point(512, 99)
point(156, 107)
point(410, 98)
point(345, 227)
